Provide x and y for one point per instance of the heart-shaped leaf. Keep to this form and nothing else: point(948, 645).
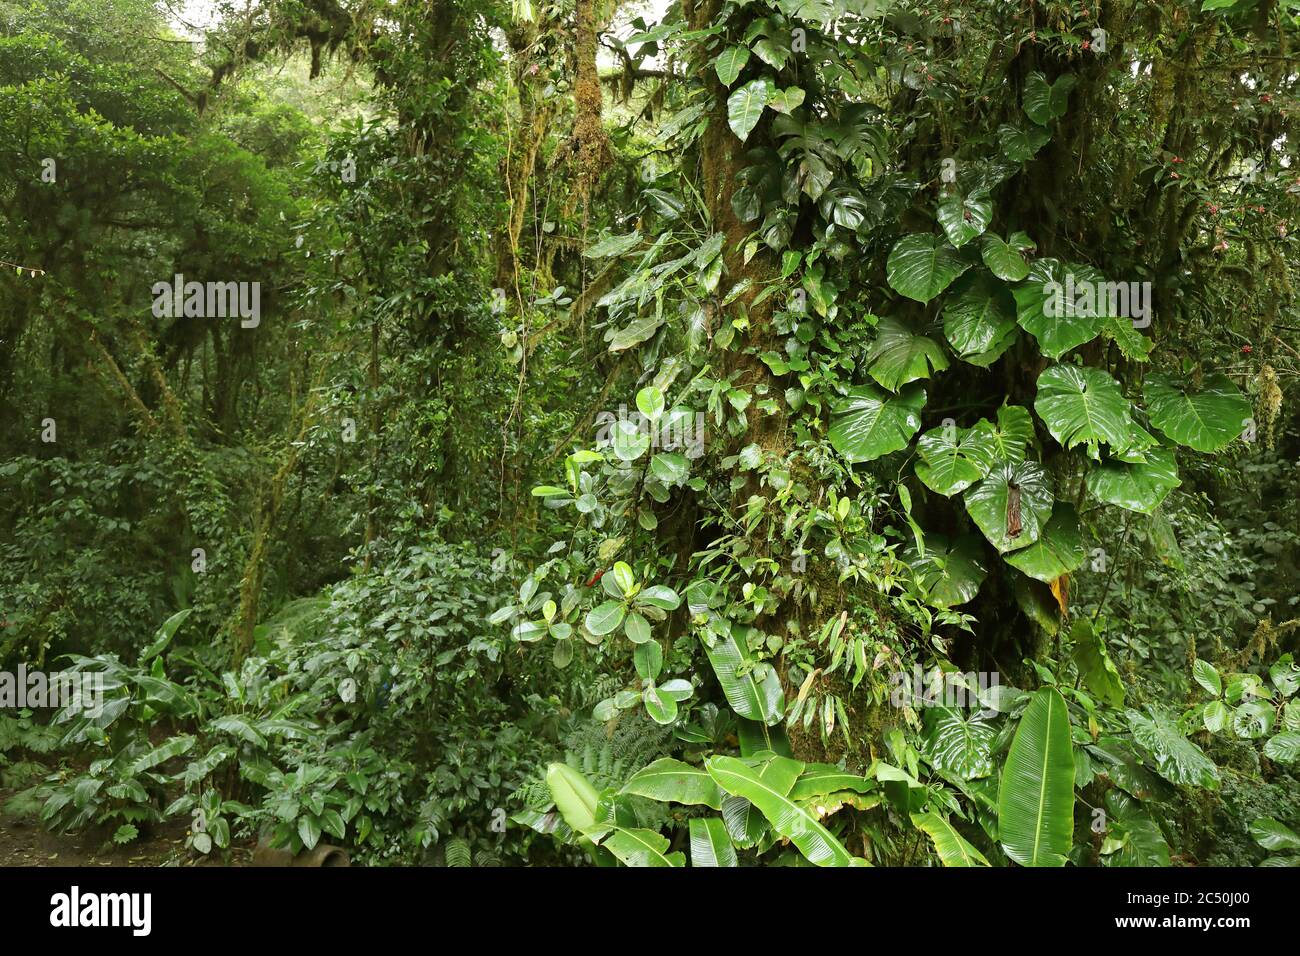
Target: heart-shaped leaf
point(921, 266)
point(1012, 505)
point(745, 106)
point(964, 218)
point(898, 356)
point(979, 317)
point(1137, 486)
point(1206, 420)
point(729, 64)
point(869, 423)
point(1083, 405)
point(1045, 310)
point(1058, 550)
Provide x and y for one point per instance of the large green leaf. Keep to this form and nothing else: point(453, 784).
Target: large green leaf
point(710, 844)
point(633, 846)
point(952, 459)
point(729, 64)
point(951, 574)
point(898, 356)
point(1083, 405)
point(1206, 420)
point(1095, 666)
point(1010, 489)
point(1136, 486)
point(795, 823)
point(951, 846)
point(745, 106)
point(1177, 759)
point(1006, 440)
point(1143, 843)
point(672, 780)
point(1036, 793)
point(164, 635)
point(756, 696)
point(1045, 312)
point(1019, 144)
point(1043, 101)
point(964, 218)
point(1272, 835)
point(922, 265)
point(820, 779)
point(574, 796)
point(869, 423)
point(979, 318)
point(1058, 550)
point(959, 744)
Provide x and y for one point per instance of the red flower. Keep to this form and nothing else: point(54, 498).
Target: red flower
point(595, 577)
point(1247, 349)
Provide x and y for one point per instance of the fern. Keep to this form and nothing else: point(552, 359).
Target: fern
point(456, 853)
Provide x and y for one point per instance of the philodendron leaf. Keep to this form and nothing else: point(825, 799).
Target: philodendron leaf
point(710, 843)
point(1019, 144)
point(921, 266)
point(1272, 835)
point(951, 846)
point(951, 574)
point(1095, 666)
point(1012, 505)
point(1177, 759)
point(1007, 439)
point(958, 743)
point(869, 423)
point(898, 356)
point(753, 694)
point(797, 824)
point(745, 106)
point(669, 780)
point(1138, 486)
point(1058, 550)
point(952, 459)
point(979, 317)
point(1043, 101)
point(1046, 311)
point(1036, 793)
point(730, 62)
point(1207, 419)
point(964, 219)
point(1083, 405)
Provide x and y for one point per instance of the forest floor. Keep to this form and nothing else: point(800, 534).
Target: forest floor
point(23, 842)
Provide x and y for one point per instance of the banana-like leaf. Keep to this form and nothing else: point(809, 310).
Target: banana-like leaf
point(921, 266)
point(952, 847)
point(1036, 793)
point(755, 699)
point(1206, 420)
point(165, 634)
point(669, 780)
point(789, 819)
point(869, 423)
point(1083, 405)
point(634, 846)
point(820, 779)
point(574, 796)
point(710, 844)
point(899, 356)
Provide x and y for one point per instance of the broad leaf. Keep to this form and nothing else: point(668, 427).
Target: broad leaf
point(869, 423)
point(1205, 420)
point(952, 459)
point(1044, 102)
point(1036, 793)
point(672, 780)
point(979, 318)
point(752, 694)
point(898, 356)
point(1138, 487)
point(964, 219)
point(729, 64)
point(1095, 666)
point(745, 106)
point(710, 844)
point(950, 574)
point(1177, 759)
point(795, 823)
point(1019, 144)
point(634, 847)
point(1083, 405)
point(1045, 311)
point(1011, 506)
point(951, 846)
point(959, 744)
point(921, 266)
point(1058, 550)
